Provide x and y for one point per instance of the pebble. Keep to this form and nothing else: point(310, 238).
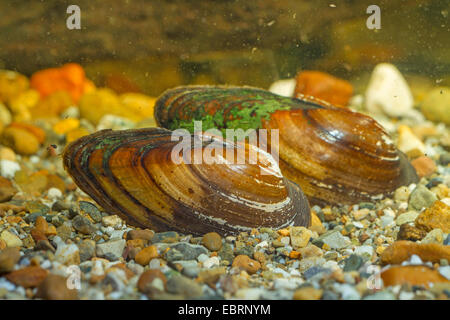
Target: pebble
point(311, 251)
point(10, 239)
point(424, 166)
point(300, 237)
point(406, 217)
point(366, 252)
point(113, 221)
point(314, 271)
point(283, 87)
point(8, 258)
point(140, 234)
point(21, 141)
point(360, 214)
point(67, 254)
point(434, 236)
point(189, 268)
point(323, 86)
point(8, 168)
point(308, 293)
point(144, 256)
point(353, 263)
point(388, 92)
point(86, 250)
point(437, 216)
point(211, 262)
point(165, 237)
point(334, 239)
point(212, 241)
point(91, 209)
point(412, 275)
point(408, 142)
point(184, 286)
point(408, 232)
point(114, 247)
point(226, 253)
point(436, 105)
point(27, 277)
point(55, 287)
point(402, 250)
point(83, 225)
point(54, 194)
point(7, 190)
point(245, 262)
point(184, 251)
point(421, 197)
point(152, 280)
point(348, 292)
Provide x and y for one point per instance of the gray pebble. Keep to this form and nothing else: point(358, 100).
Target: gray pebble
point(421, 197)
point(92, 210)
point(83, 225)
point(353, 263)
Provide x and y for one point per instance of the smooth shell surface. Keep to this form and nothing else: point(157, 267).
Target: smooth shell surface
point(138, 175)
point(336, 155)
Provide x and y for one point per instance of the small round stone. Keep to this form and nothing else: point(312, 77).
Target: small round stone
point(212, 241)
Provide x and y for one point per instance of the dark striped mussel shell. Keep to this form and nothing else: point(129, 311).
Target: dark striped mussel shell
point(336, 155)
point(146, 178)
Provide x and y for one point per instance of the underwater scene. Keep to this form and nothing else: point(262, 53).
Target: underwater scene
point(225, 150)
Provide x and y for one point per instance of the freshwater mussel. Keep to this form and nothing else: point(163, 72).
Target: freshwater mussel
point(336, 155)
point(153, 180)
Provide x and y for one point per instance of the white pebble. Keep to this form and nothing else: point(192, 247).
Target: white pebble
point(211, 262)
point(8, 168)
point(388, 92)
point(284, 87)
point(154, 264)
point(54, 193)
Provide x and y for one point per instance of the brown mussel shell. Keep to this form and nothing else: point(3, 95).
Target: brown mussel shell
point(137, 175)
point(337, 156)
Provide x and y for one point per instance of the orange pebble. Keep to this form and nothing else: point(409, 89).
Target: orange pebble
point(70, 77)
point(323, 86)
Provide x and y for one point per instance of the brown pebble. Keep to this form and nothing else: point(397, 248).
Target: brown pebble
point(424, 166)
point(402, 250)
point(307, 293)
point(411, 233)
point(146, 281)
point(144, 256)
point(8, 259)
point(44, 245)
point(137, 243)
point(243, 261)
point(21, 141)
point(28, 277)
point(259, 256)
point(7, 190)
point(41, 224)
point(55, 287)
point(412, 275)
point(435, 217)
point(140, 234)
point(212, 241)
point(38, 235)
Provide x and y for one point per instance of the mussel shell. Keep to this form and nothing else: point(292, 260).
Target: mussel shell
point(336, 155)
point(134, 173)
